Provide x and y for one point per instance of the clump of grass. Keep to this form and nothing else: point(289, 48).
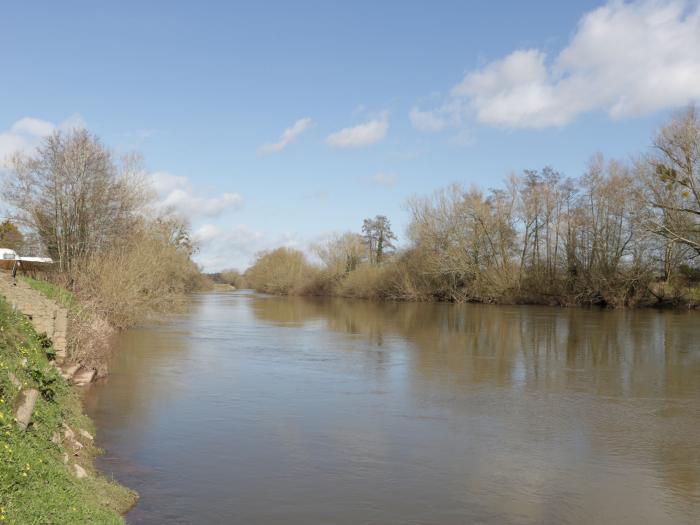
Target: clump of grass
point(53, 291)
point(35, 484)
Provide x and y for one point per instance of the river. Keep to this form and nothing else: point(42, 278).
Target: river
point(253, 409)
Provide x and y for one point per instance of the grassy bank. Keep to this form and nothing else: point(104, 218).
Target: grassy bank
point(36, 484)
point(53, 291)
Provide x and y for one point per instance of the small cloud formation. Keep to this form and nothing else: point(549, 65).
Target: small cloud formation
point(288, 136)
point(32, 126)
point(191, 206)
point(449, 114)
point(26, 134)
point(164, 182)
point(427, 120)
point(625, 58)
point(176, 194)
point(361, 135)
point(385, 179)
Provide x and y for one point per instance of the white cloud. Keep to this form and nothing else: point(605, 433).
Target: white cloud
point(32, 126)
point(361, 135)
point(288, 136)
point(236, 247)
point(206, 233)
point(627, 59)
point(164, 182)
point(190, 205)
point(385, 179)
point(176, 194)
point(427, 120)
point(26, 134)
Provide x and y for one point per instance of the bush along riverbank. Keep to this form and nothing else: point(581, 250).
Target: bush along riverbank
point(623, 234)
point(46, 441)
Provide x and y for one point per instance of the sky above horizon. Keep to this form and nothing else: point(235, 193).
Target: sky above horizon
point(279, 123)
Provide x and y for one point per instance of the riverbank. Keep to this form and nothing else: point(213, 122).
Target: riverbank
point(404, 278)
point(46, 472)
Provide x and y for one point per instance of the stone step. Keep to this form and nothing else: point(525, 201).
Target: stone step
point(69, 371)
point(83, 377)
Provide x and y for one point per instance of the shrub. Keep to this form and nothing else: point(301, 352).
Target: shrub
point(233, 277)
point(282, 271)
point(365, 282)
point(144, 275)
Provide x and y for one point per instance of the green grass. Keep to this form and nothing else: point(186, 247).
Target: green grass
point(53, 291)
point(35, 485)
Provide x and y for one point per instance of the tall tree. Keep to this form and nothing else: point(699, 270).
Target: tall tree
point(379, 237)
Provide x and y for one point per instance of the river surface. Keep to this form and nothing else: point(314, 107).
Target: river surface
point(251, 409)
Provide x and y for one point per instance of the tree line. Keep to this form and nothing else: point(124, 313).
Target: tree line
point(621, 234)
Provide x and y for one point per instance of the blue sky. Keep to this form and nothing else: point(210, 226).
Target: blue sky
point(382, 100)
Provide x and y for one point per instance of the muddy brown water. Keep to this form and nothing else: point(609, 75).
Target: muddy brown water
point(268, 410)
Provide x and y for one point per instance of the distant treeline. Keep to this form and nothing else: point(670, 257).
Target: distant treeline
point(622, 234)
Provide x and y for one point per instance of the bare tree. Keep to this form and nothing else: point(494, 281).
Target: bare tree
point(673, 189)
point(74, 196)
point(341, 254)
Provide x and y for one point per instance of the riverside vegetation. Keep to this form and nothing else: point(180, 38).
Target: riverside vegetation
point(36, 481)
point(622, 234)
point(117, 262)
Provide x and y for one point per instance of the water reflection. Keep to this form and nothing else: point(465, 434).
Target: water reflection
point(614, 353)
point(257, 409)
